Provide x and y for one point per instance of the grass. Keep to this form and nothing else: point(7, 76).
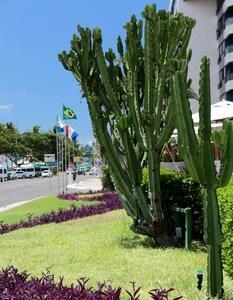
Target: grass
point(103, 248)
point(38, 207)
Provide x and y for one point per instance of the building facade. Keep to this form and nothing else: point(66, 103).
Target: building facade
point(212, 37)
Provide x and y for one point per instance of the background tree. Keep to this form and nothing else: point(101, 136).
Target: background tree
point(128, 96)
point(39, 142)
point(11, 143)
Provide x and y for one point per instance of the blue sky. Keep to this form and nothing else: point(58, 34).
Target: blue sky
point(33, 84)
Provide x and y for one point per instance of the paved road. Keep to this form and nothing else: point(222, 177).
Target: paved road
point(26, 189)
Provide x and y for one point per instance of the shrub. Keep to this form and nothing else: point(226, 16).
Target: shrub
point(226, 211)
point(54, 170)
point(106, 179)
point(179, 190)
point(16, 285)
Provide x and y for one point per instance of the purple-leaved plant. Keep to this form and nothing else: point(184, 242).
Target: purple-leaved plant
point(21, 286)
point(109, 202)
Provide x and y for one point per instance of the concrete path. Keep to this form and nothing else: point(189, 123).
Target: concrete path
point(91, 184)
point(10, 206)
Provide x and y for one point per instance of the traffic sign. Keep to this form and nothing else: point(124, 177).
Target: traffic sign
point(49, 157)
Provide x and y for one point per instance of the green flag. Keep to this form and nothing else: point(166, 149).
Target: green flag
point(68, 113)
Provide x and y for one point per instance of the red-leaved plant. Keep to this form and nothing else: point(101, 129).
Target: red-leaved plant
point(20, 286)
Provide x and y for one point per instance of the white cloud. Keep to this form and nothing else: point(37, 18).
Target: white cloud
point(4, 107)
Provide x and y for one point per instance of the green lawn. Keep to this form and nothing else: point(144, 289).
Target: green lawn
point(38, 207)
point(103, 248)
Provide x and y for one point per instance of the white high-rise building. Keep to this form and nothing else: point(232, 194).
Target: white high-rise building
point(212, 37)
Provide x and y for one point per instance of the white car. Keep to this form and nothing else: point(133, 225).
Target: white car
point(18, 174)
point(46, 173)
point(92, 172)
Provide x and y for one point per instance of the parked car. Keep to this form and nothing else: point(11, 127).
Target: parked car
point(92, 172)
point(18, 175)
point(29, 171)
point(47, 173)
point(38, 171)
point(81, 172)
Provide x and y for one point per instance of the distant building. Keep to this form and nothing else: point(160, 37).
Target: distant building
point(5, 162)
point(213, 37)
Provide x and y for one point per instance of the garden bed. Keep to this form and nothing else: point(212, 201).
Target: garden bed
point(108, 202)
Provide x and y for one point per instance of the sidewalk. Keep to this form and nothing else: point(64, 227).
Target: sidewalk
point(10, 206)
point(92, 184)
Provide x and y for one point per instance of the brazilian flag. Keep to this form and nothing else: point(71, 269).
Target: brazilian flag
point(68, 113)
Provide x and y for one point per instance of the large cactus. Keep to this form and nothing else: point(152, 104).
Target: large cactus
point(128, 97)
point(198, 156)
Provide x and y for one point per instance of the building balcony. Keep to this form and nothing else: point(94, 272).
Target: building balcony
point(223, 6)
point(227, 59)
point(221, 88)
point(227, 31)
point(229, 83)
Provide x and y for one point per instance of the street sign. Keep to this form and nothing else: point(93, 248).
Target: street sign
point(49, 157)
point(77, 159)
point(71, 166)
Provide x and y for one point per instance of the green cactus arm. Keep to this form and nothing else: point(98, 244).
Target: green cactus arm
point(151, 29)
point(177, 29)
point(85, 44)
point(148, 57)
point(190, 23)
point(214, 239)
point(132, 160)
point(111, 157)
point(185, 127)
point(218, 138)
point(113, 162)
point(169, 124)
point(104, 72)
point(136, 177)
point(227, 160)
point(159, 107)
point(134, 55)
point(135, 109)
point(205, 125)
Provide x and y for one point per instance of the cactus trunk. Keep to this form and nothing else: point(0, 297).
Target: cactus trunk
point(154, 184)
point(213, 239)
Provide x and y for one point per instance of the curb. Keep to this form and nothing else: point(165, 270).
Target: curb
point(13, 205)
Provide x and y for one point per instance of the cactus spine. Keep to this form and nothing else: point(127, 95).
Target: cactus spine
point(128, 97)
point(198, 156)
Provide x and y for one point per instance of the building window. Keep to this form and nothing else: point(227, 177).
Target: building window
point(228, 16)
point(229, 96)
point(229, 44)
point(229, 72)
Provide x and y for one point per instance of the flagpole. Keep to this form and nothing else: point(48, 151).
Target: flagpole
point(57, 147)
point(66, 163)
point(59, 166)
point(70, 179)
point(62, 163)
point(68, 114)
point(63, 150)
